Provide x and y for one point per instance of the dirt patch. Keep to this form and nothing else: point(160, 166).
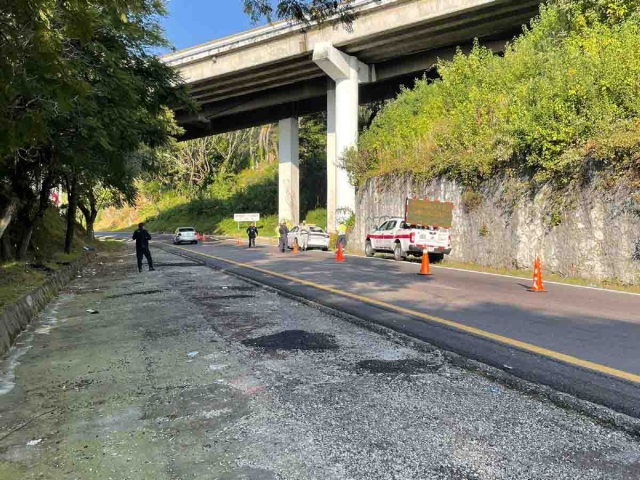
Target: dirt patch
point(294, 340)
point(406, 366)
point(145, 292)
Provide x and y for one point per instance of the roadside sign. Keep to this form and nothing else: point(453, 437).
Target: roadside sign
point(246, 217)
point(427, 212)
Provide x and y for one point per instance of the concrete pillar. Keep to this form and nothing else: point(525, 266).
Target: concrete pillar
point(346, 107)
point(331, 156)
point(288, 174)
point(346, 72)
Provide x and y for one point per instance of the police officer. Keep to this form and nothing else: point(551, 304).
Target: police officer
point(283, 231)
point(252, 232)
point(142, 237)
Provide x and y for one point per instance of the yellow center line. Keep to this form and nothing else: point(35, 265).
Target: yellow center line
point(449, 323)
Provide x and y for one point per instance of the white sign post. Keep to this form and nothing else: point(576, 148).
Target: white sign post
point(246, 217)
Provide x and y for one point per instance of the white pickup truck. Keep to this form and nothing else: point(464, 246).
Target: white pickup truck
point(402, 239)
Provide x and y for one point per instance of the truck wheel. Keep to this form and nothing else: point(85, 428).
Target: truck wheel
point(368, 249)
point(437, 257)
point(397, 252)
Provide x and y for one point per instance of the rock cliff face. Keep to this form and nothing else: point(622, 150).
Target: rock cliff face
point(597, 237)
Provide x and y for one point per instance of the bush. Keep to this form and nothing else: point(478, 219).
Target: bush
point(563, 100)
point(317, 217)
point(470, 201)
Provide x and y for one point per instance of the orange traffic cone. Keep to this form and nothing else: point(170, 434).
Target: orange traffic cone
point(202, 237)
point(295, 247)
point(538, 286)
point(197, 236)
point(340, 255)
point(238, 241)
point(425, 268)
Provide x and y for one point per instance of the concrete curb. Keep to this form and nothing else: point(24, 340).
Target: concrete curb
point(18, 316)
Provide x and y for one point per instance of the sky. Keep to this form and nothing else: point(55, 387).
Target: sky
point(192, 22)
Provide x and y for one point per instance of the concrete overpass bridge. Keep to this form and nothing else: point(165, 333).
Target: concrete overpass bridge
point(282, 71)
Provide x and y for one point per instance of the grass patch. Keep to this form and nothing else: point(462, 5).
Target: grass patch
point(551, 277)
point(16, 280)
point(167, 222)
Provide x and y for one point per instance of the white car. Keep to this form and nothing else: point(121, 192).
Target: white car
point(185, 235)
point(397, 237)
point(317, 237)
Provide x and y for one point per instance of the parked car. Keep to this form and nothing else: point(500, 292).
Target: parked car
point(185, 235)
point(318, 238)
point(397, 237)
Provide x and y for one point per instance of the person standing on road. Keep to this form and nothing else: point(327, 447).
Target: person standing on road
point(252, 232)
point(342, 234)
point(142, 237)
point(304, 236)
point(283, 231)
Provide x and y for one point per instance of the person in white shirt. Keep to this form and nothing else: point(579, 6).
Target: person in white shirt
point(304, 236)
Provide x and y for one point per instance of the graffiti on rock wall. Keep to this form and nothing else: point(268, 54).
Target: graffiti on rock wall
point(343, 214)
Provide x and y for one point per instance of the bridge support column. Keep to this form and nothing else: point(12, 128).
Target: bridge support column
point(342, 125)
point(331, 156)
point(288, 173)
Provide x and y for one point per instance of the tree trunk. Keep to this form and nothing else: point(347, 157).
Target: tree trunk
point(30, 220)
point(71, 214)
point(25, 241)
point(6, 249)
point(90, 231)
point(6, 214)
point(90, 214)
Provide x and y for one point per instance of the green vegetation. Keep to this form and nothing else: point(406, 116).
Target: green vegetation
point(17, 278)
point(83, 104)
point(563, 102)
point(202, 183)
point(86, 105)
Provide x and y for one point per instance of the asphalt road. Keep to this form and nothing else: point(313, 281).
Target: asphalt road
point(576, 340)
point(191, 373)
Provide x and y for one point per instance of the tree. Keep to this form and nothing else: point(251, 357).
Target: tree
point(305, 11)
point(313, 162)
point(81, 93)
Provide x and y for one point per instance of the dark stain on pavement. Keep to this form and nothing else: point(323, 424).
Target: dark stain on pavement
point(145, 292)
point(294, 340)
point(406, 366)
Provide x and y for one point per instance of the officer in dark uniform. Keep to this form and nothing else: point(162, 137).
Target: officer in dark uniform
point(252, 232)
point(142, 237)
point(283, 231)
